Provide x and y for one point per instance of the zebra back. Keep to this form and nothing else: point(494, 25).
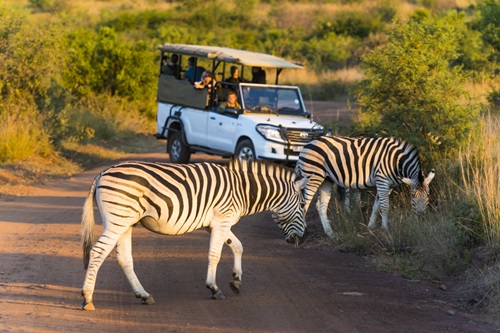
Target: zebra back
point(356, 162)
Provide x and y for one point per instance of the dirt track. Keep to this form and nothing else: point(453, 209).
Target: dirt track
point(314, 288)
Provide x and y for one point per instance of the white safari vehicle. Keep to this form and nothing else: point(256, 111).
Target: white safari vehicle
point(271, 124)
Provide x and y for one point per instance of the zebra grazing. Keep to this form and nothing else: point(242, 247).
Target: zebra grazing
point(174, 199)
point(361, 163)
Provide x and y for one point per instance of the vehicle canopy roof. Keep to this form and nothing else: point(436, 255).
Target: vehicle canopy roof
point(229, 55)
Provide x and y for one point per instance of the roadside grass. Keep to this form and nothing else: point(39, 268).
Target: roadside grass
point(480, 171)
point(22, 136)
point(425, 247)
point(98, 131)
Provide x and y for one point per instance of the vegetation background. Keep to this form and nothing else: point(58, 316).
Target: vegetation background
point(78, 86)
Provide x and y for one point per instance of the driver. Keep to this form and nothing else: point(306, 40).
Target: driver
point(232, 102)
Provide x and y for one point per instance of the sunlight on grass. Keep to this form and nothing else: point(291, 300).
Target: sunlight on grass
point(480, 170)
point(347, 75)
point(21, 137)
point(325, 85)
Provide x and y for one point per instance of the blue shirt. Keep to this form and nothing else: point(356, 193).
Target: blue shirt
point(189, 74)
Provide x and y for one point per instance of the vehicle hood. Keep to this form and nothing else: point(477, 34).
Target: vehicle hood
point(283, 120)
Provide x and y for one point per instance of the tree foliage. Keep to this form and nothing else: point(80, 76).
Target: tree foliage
point(100, 63)
point(488, 22)
point(412, 90)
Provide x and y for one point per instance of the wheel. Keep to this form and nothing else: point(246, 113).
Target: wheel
point(245, 150)
point(179, 152)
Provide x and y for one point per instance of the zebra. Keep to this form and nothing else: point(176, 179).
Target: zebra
point(362, 163)
point(174, 199)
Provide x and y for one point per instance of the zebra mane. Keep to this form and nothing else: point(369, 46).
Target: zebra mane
point(409, 149)
point(263, 168)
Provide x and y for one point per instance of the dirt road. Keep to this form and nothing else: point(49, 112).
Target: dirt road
point(314, 288)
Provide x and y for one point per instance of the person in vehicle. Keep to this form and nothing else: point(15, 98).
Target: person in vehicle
point(235, 79)
point(258, 75)
point(232, 102)
point(194, 73)
point(207, 81)
point(172, 67)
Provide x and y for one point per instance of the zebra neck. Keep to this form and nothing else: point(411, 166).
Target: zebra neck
point(260, 193)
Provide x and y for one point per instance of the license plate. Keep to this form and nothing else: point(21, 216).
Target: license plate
point(297, 148)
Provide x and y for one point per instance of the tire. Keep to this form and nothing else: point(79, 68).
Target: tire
point(178, 151)
point(245, 150)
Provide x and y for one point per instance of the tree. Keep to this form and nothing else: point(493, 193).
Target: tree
point(101, 63)
point(412, 91)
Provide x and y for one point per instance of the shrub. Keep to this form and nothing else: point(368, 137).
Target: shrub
point(101, 63)
point(412, 92)
point(488, 23)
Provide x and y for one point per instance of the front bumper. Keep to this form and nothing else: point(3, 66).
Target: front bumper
point(277, 151)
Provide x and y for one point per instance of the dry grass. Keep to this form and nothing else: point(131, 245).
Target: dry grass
point(479, 90)
point(349, 75)
point(480, 170)
point(21, 137)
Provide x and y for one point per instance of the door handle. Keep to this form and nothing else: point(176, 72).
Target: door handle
point(213, 118)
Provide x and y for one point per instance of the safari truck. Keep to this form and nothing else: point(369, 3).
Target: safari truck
point(271, 123)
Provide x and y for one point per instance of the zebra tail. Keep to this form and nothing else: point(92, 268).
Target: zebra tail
point(88, 223)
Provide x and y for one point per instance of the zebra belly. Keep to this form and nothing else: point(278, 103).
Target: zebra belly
point(151, 224)
point(175, 228)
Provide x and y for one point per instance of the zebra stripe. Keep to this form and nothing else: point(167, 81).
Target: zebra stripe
point(174, 199)
point(362, 163)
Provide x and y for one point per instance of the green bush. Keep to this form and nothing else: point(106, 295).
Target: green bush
point(101, 63)
point(412, 91)
point(488, 23)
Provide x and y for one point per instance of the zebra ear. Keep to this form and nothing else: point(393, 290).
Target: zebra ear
point(430, 177)
point(300, 183)
point(407, 181)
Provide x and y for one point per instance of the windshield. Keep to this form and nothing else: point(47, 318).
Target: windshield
point(272, 99)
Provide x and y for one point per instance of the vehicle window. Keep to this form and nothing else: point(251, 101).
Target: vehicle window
point(277, 100)
point(289, 102)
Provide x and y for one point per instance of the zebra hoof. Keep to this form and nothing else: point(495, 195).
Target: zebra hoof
point(235, 286)
point(218, 295)
point(148, 300)
point(88, 306)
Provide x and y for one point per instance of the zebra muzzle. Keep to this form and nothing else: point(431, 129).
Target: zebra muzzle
point(295, 239)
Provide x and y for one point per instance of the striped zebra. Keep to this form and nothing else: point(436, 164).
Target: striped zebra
point(174, 199)
point(362, 163)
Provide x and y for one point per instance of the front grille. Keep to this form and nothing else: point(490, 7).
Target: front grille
point(299, 136)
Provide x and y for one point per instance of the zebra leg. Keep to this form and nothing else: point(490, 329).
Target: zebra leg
point(324, 194)
point(384, 208)
point(347, 199)
point(98, 254)
point(124, 256)
point(234, 243)
point(381, 206)
point(311, 187)
point(375, 212)
point(218, 235)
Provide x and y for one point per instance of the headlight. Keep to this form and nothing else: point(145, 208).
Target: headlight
point(269, 132)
